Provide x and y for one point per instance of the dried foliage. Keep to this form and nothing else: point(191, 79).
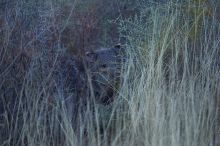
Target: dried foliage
point(54, 79)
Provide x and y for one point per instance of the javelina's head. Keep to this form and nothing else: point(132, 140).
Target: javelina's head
point(105, 61)
point(105, 66)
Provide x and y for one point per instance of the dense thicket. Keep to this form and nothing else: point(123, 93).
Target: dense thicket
point(169, 88)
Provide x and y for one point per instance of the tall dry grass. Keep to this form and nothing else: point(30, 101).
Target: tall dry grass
point(168, 95)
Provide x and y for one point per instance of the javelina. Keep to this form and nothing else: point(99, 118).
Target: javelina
point(102, 66)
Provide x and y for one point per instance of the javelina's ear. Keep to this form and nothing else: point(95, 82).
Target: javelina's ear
point(118, 46)
point(91, 56)
point(119, 49)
